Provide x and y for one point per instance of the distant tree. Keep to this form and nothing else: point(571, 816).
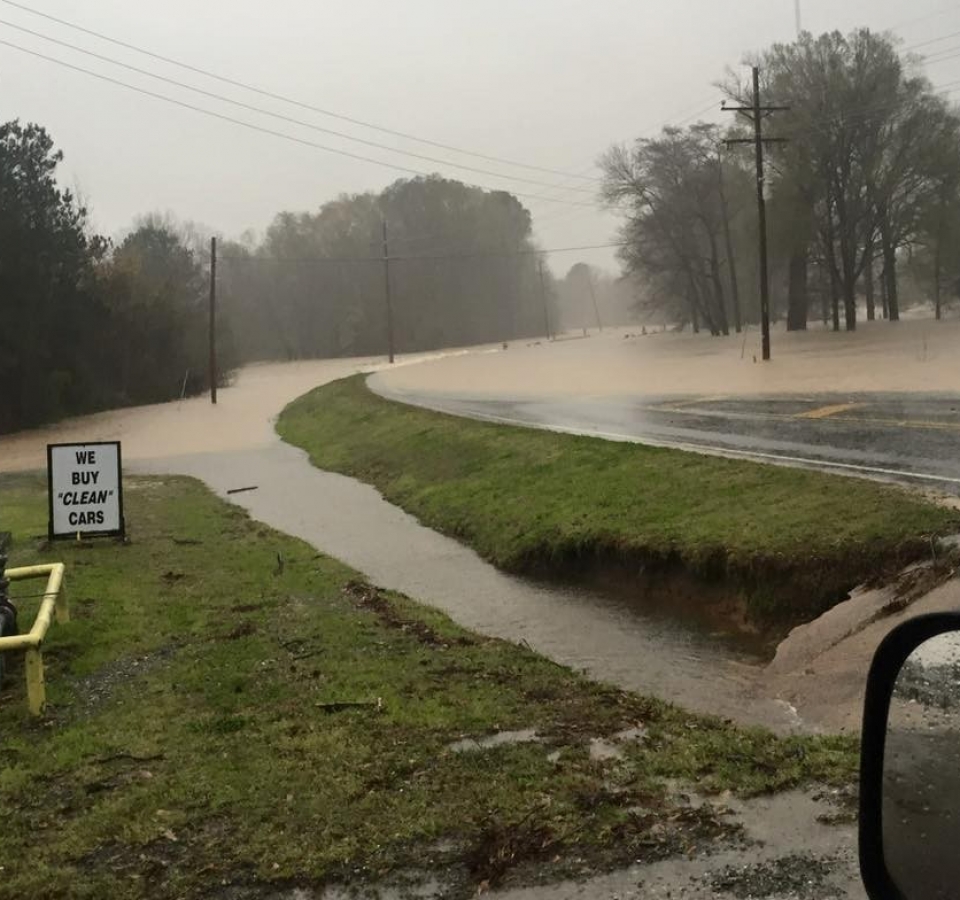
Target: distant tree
point(49, 321)
point(463, 270)
point(676, 231)
point(865, 163)
point(156, 291)
point(83, 325)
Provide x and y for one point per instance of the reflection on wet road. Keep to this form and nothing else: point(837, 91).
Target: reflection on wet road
point(911, 438)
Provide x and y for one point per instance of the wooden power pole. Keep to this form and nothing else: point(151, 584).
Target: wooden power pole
point(213, 320)
point(543, 297)
point(756, 113)
point(386, 290)
point(593, 297)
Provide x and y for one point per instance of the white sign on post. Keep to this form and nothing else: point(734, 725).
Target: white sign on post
point(85, 489)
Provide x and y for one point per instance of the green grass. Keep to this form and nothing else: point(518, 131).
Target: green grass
point(187, 742)
point(792, 541)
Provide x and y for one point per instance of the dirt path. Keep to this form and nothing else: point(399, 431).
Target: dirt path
point(786, 852)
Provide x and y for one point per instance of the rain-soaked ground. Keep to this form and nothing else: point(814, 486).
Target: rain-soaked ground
point(790, 848)
point(814, 682)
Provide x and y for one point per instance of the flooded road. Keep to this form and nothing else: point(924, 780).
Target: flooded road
point(879, 357)
point(815, 681)
point(234, 445)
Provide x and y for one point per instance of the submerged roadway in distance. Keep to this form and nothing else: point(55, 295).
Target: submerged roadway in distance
point(881, 402)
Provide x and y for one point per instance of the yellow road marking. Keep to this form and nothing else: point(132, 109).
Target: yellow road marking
point(824, 412)
point(921, 424)
point(693, 401)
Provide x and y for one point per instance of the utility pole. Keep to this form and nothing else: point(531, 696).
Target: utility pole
point(213, 320)
point(728, 244)
point(756, 114)
point(543, 297)
point(796, 10)
point(386, 289)
point(593, 296)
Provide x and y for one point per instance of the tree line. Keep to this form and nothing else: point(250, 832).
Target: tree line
point(463, 269)
point(863, 196)
point(87, 323)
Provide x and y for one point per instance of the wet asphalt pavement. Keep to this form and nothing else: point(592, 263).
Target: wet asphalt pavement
point(910, 438)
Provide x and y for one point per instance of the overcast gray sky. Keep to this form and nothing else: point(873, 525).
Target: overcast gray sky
point(549, 83)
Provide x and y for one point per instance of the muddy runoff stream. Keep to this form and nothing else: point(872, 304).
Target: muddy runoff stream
point(646, 647)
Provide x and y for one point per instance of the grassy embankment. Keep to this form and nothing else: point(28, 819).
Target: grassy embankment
point(788, 542)
point(200, 732)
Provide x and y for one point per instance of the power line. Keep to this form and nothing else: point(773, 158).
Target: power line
point(851, 117)
point(292, 101)
point(924, 18)
point(249, 125)
point(258, 109)
point(706, 109)
point(532, 252)
point(564, 214)
point(430, 256)
point(935, 40)
point(929, 61)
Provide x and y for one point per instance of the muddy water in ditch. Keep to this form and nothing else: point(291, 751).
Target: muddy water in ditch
point(612, 638)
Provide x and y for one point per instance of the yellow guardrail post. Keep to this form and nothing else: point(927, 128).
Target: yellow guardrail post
point(36, 691)
point(62, 605)
point(54, 603)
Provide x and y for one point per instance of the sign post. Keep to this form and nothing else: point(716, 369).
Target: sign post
point(85, 490)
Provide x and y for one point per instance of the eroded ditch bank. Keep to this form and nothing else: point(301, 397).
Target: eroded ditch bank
point(599, 632)
point(749, 548)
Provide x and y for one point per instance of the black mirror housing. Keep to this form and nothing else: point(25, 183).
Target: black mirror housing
point(887, 664)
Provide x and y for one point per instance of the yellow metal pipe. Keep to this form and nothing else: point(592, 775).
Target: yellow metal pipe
point(54, 600)
point(36, 690)
point(32, 640)
point(21, 572)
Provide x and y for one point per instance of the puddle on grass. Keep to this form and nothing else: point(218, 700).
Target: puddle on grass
point(500, 739)
point(603, 749)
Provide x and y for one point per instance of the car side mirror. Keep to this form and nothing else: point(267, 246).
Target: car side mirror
point(910, 763)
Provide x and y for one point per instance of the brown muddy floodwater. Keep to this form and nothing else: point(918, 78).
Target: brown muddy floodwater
point(612, 637)
point(624, 638)
point(915, 355)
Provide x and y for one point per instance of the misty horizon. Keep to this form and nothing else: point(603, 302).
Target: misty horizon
point(547, 86)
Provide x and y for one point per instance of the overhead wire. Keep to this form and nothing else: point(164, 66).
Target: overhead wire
point(543, 196)
point(289, 119)
point(281, 97)
point(563, 215)
point(936, 40)
point(485, 254)
point(250, 125)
